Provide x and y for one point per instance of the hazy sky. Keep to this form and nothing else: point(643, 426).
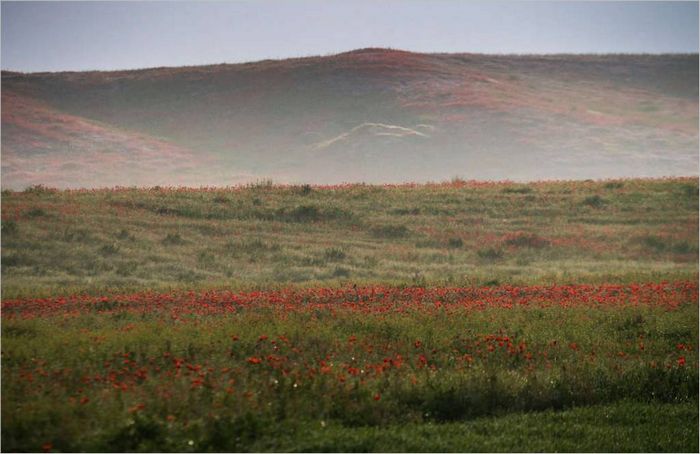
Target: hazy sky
point(54, 36)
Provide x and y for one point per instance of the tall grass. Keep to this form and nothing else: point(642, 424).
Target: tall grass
point(464, 233)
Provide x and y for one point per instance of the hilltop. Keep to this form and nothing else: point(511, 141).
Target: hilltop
point(372, 115)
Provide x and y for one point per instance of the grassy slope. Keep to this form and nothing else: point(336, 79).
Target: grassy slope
point(473, 234)
point(479, 116)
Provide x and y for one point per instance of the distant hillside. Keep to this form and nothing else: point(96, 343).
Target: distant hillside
point(372, 115)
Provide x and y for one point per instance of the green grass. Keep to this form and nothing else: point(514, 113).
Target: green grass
point(571, 357)
point(619, 427)
point(265, 236)
point(120, 376)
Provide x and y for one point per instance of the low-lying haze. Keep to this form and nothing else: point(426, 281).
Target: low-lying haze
point(372, 115)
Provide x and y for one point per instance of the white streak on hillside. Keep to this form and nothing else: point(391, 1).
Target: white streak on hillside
point(376, 129)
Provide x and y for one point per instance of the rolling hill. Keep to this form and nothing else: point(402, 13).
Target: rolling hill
point(372, 115)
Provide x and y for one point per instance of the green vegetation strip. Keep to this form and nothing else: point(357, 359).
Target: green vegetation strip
point(620, 427)
point(265, 236)
point(115, 379)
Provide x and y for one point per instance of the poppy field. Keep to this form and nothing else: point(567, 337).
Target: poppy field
point(469, 338)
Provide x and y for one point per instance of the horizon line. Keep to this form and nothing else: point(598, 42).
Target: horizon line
point(355, 50)
point(268, 183)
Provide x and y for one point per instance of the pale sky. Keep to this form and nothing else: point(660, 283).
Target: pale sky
point(59, 36)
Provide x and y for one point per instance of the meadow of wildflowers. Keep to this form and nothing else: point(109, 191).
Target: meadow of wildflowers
point(588, 360)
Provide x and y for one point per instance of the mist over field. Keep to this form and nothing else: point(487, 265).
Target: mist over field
point(370, 115)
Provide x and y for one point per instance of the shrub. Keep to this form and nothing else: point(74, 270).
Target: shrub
point(659, 244)
point(690, 190)
point(684, 247)
point(13, 260)
point(109, 249)
point(77, 235)
point(594, 201)
point(262, 184)
point(523, 239)
point(305, 213)
point(455, 243)
point(428, 243)
point(341, 272)
point(407, 211)
point(312, 213)
point(614, 185)
point(517, 190)
point(206, 258)
point(490, 253)
point(39, 189)
point(126, 268)
point(390, 231)
point(173, 239)
point(167, 211)
point(653, 242)
point(252, 246)
point(35, 213)
point(334, 254)
point(9, 227)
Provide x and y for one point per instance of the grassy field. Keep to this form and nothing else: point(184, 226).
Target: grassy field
point(464, 316)
point(264, 236)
